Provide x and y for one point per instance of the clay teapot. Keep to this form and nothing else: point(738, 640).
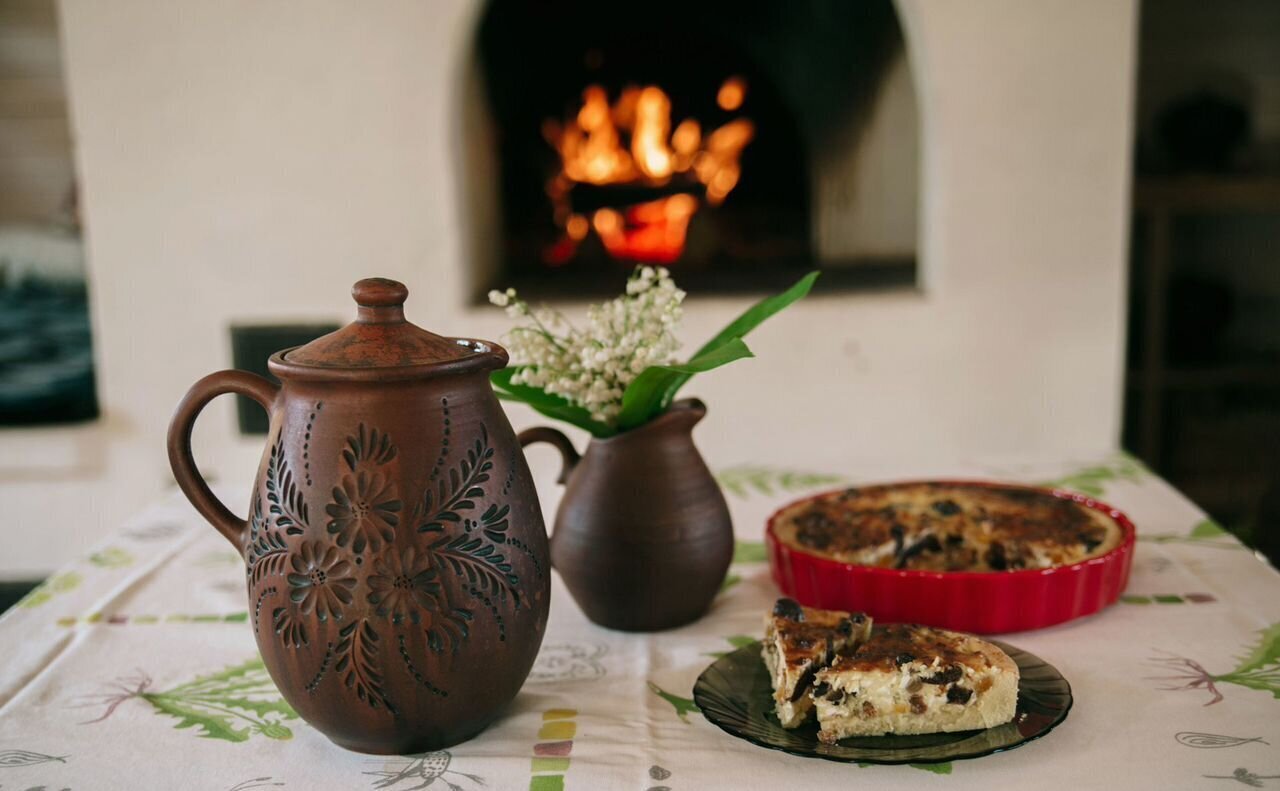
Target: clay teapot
point(643, 536)
point(395, 554)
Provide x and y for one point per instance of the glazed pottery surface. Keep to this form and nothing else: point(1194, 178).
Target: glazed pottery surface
point(395, 555)
point(643, 536)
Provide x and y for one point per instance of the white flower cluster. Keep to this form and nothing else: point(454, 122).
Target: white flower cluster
point(592, 367)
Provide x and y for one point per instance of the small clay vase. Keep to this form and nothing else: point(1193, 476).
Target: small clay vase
point(395, 556)
point(643, 536)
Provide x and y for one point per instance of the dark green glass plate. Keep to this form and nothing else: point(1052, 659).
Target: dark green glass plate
point(736, 695)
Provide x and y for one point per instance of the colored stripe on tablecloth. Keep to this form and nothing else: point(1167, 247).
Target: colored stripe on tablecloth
point(550, 759)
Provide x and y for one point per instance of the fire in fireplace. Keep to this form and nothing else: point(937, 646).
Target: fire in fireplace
point(740, 144)
point(627, 176)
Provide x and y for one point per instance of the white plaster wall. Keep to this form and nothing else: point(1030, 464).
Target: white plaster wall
point(246, 162)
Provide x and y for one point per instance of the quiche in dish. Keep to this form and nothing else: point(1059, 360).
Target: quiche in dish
point(939, 526)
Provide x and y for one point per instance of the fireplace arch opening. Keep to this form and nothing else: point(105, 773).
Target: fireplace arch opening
point(740, 144)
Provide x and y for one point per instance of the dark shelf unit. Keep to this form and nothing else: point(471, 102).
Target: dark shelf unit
point(1213, 427)
point(1160, 200)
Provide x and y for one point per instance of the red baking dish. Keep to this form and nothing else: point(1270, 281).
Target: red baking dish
point(968, 601)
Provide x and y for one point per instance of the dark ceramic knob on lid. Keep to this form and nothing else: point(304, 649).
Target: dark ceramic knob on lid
point(381, 300)
point(382, 344)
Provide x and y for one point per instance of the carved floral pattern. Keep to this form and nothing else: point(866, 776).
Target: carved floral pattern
point(403, 585)
point(367, 445)
point(408, 579)
point(288, 506)
point(291, 630)
point(321, 581)
point(358, 654)
point(364, 511)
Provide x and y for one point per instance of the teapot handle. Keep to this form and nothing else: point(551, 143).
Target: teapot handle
point(183, 463)
point(568, 454)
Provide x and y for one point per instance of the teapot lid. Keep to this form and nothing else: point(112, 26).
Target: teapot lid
point(382, 345)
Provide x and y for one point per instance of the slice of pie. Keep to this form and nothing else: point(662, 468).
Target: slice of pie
point(799, 642)
point(915, 679)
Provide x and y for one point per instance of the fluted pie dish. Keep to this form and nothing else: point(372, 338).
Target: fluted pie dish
point(972, 556)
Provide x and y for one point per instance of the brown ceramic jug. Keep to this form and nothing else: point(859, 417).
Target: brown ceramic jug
point(395, 553)
point(643, 536)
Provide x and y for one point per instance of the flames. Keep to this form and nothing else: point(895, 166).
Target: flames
point(629, 146)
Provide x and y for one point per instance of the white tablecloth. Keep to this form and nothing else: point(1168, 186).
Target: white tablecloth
point(135, 668)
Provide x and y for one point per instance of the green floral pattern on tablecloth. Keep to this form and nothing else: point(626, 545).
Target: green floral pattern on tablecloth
point(232, 704)
point(747, 479)
point(1205, 533)
point(55, 585)
point(1258, 669)
point(736, 641)
point(683, 706)
point(943, 768)
point(1095, 479)
point(729, 581)
point(111, 558)
point(749, 552)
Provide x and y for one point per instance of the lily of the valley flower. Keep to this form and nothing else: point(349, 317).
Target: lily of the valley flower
point(591, 367)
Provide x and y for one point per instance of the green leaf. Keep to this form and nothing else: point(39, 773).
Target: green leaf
point(729, 581)
point(1208, 529)
point(682, 705)
point(755, 315)
point(749, 552)
point(737, 641)
point(938, 769)
point(1267, 682)
point(553, 406)
point(215, 701)
point(650, 393)
point(274, 730)
point(736, 330)
point(1266, 652)
point(260, 707)
point(211, 725)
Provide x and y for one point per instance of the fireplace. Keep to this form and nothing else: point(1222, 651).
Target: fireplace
point(740, 144)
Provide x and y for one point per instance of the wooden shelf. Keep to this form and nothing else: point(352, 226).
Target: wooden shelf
point(1210, 377)
point(1207, 194)
point(1161, 200)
